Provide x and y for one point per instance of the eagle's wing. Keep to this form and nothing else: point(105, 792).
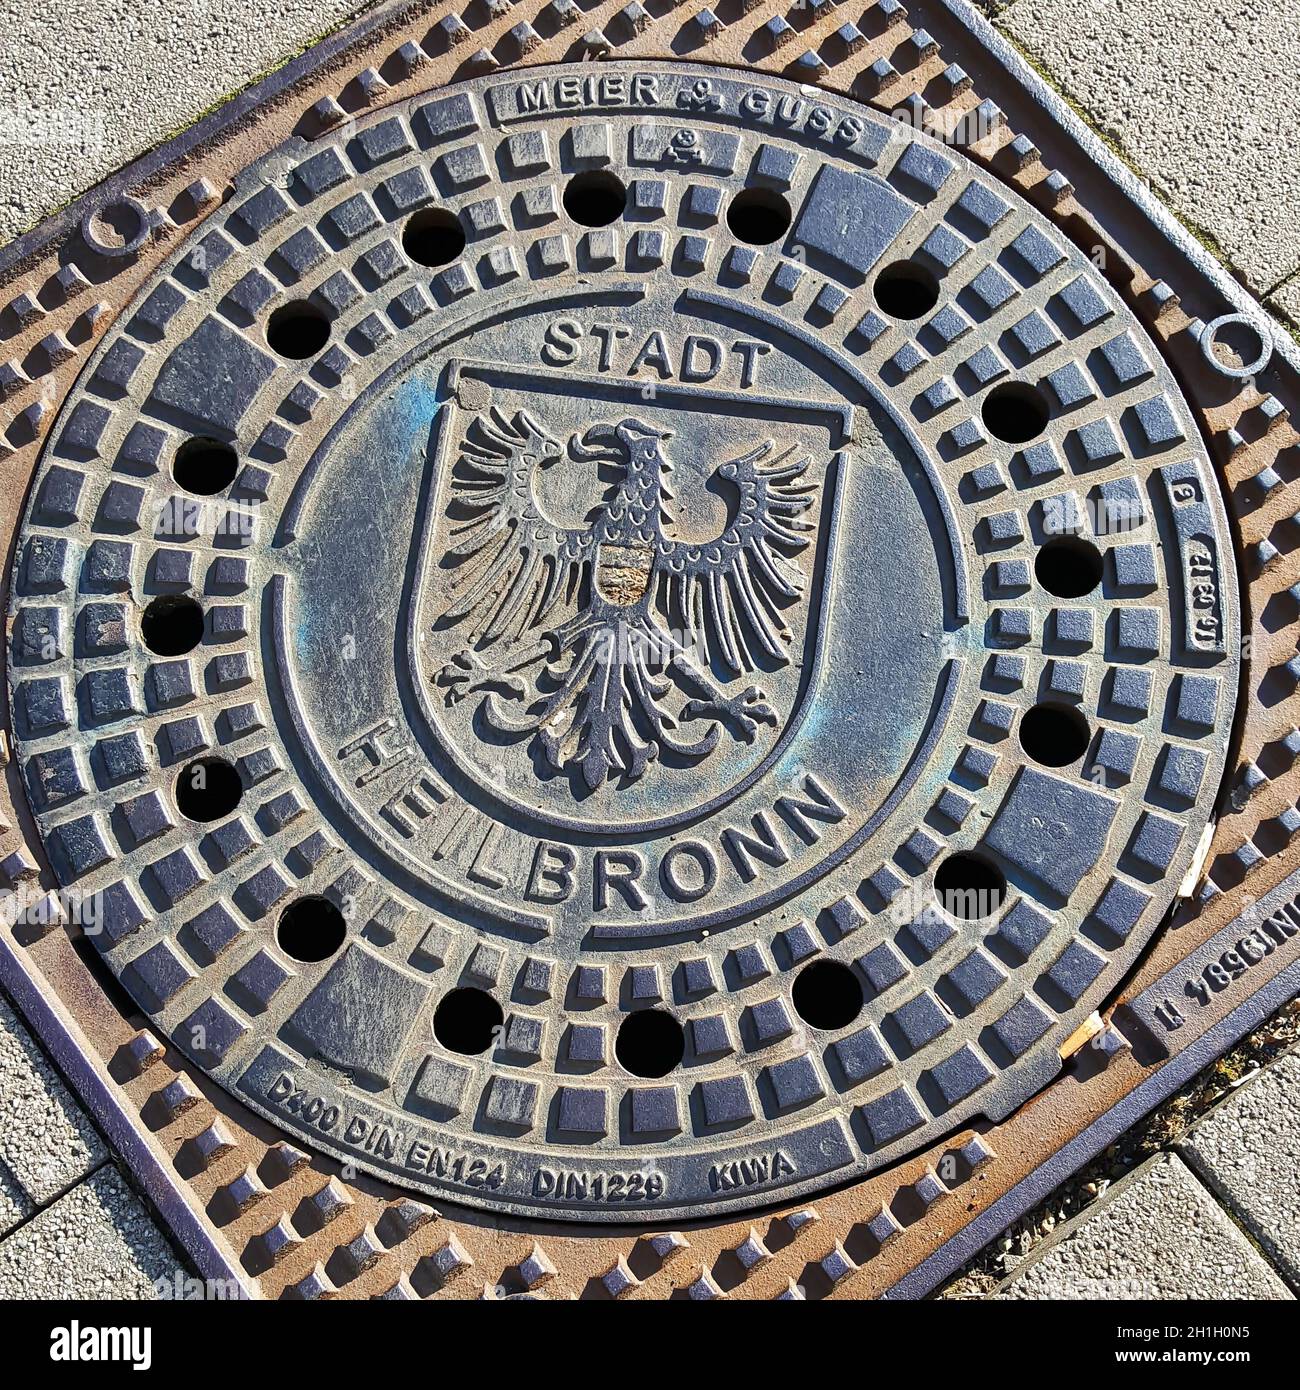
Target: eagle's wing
point(511, 566)
point(729, 593)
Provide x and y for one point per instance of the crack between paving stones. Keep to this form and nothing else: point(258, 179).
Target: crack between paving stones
point(1158, 1132)
point(113, 1159)
point(119, 1166)
point(45, 1206)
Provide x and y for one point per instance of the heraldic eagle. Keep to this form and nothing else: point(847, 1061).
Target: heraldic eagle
point(581, 635)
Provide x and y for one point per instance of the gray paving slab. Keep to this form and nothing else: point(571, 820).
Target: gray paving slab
point(1247, 1151)
point(47, 1141)
point(1204, 98)
point(97, 1241)
point(84, 88)
point(1158, 1234)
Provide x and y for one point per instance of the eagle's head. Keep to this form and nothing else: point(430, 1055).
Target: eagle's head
point(630, 442)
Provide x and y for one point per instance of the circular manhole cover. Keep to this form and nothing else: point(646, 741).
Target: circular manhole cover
point(623, 642)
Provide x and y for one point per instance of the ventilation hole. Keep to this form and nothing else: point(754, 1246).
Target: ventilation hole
point(758, 216)
point(172, 625)
point(827, 994)
point(1054, 735)
point(467, 1021)
point(297, 330)
point(1068, 567)
point(906, 290)
point(311, 929)
point(207, 789)
point(205, 466)
point(595, 199)
point(969, 888)
point(1015, 412)
point(433, 237)
point(650, 1043)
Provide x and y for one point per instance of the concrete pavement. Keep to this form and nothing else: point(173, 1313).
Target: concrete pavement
point(85, 88)
point(70, 1225)
point(1202, 97)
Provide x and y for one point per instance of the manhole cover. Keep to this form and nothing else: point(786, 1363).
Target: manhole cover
point(623, 642)
point(639, 650)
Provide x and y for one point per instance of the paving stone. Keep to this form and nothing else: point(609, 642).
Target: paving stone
point(84, 89)
point(97, 1241)
point(1247, 1150)
point(1157, 1234)
point(15, 1205)
point(47, 1141)
point(1171, 79)
point(1286, 300)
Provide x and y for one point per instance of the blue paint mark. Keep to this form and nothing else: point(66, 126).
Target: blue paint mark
point(418, 403)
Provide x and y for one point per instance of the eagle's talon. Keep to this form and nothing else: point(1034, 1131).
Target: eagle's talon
point(458, 673)
point(747, 710)
point(467, 672)
point(751, 709)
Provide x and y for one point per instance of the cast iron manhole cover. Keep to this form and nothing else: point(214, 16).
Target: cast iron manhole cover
point(624, 642)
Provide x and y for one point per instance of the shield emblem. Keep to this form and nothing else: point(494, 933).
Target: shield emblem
point(618, 586)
